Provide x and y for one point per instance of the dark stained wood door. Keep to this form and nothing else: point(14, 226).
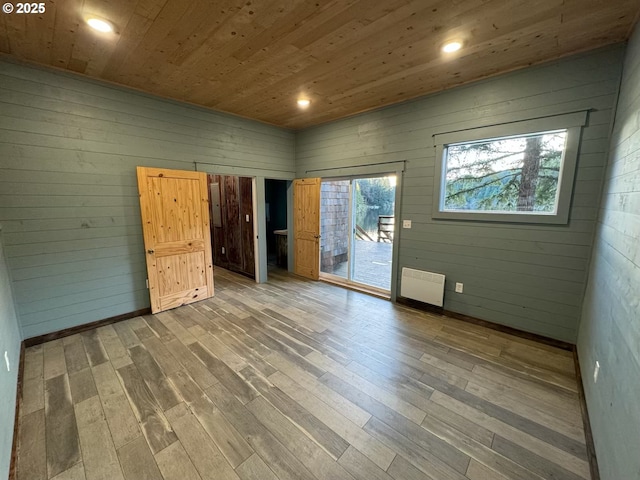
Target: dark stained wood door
point(231, 223)
point(233, 234)
point(246, 229)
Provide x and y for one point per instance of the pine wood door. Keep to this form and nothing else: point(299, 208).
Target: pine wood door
point(175, 221)
point(306, 232)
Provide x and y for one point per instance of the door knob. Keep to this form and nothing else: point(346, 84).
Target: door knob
point(150, 251)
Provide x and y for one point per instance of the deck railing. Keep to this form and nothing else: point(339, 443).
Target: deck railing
point(362, 234)
point(386, 224)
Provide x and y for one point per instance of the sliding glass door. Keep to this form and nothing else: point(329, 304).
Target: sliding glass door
point(357, 218)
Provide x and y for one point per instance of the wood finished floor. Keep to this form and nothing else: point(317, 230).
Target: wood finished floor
point(298, 380)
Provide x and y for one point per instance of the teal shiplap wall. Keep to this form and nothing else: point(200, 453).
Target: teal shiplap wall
point(68, 198)
point(531, 277)
point(10, 338)
point(610, 326)
point(68, 193)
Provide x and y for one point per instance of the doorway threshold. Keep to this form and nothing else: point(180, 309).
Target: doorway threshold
point(357, 287)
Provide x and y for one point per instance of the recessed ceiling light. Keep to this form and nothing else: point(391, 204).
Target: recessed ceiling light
point(304, 103)
point(452, 47)
point(100, 25)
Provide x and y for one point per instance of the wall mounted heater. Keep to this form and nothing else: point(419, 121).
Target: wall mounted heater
point(426, 287)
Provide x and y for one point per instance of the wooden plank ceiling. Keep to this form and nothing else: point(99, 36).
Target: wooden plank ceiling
point(256, 57)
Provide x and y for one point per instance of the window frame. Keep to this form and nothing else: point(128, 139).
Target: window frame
point(571, 122)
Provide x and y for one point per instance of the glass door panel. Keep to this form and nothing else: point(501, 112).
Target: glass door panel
point(373, 219)
point(356, 228)
point(335, 224)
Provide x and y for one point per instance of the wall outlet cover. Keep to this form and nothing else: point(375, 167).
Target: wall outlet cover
point(406, 224)
point(459, 287)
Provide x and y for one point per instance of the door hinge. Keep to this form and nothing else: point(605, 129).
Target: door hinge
point(147, 283)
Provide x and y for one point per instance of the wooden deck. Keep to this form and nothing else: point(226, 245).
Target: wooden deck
point(372, 264)
point(298, 380)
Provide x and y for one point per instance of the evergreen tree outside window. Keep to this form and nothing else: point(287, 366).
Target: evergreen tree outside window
point(511, 173)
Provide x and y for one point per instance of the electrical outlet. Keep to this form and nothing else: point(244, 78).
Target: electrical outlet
point(6, 359)
point(248, 218)
point(223, 250)
point(596, 371)
point(406, 224)
point(459, 287)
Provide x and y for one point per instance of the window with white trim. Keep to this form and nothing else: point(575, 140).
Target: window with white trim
point(518, 172)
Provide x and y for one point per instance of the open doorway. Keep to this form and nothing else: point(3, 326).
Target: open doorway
point(357, 217)
point(276, 222)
